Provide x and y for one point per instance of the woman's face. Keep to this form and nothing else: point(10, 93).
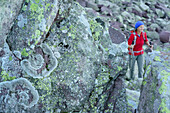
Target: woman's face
point(140, 28)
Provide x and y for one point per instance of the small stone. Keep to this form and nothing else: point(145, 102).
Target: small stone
point(143, 6)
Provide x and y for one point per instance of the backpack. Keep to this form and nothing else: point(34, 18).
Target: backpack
point(133, 32)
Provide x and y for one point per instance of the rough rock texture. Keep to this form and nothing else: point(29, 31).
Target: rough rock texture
point(9, 9)
point(74, 56)
point(133, 99)
point(42, 64)
point(116, 36)
point(81, 82)
point(32, 24)
point(89, 73)
point(155, 91)
point(16, 95)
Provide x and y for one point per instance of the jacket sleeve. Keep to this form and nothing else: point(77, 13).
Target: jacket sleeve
point(131, 38)
point(145, 37)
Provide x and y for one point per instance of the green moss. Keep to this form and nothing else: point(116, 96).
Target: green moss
point(153, 98)
point(24, 53)
point(52, 5)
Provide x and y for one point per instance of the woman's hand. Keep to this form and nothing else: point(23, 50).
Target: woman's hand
point(151, 46)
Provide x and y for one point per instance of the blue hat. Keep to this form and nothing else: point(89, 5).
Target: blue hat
point(139, 23)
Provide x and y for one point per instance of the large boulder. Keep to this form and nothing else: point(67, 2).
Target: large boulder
point(155, 91)
point(76, 60)
point(165, 36)
point(83, 74)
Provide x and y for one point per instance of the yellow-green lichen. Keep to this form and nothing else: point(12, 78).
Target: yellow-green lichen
point(96, 29)
point(163, 89)
point(37, 1)
point(144, 82)
point(46, 7)
point(164, 79)
point(163, 107)
point(5, 76)
point(10, 58)
point(157, 58)
point(34, 7)
point(30, 52)
point(24, 53)
point(37, 33)
point(29, 42)
point(106, 49)
point(119, 68)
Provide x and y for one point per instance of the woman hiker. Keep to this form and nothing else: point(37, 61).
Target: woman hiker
point(135, 43)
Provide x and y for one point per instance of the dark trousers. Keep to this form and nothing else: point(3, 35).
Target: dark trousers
point(132, 60)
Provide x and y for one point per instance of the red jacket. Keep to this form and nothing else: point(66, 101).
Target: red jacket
point(137, 50)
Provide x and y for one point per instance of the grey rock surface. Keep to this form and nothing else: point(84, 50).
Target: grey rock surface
point(155, 87)
point(76, 57)
point(8, 12)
